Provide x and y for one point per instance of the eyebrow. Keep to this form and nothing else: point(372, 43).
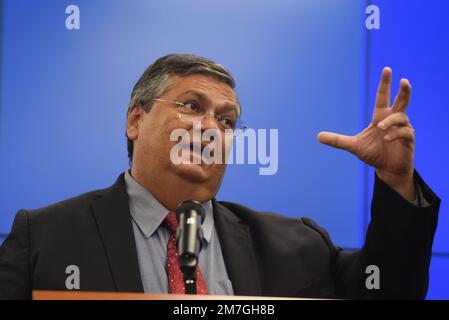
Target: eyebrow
point(202, 96)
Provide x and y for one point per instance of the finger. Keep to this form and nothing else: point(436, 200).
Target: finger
point(395, 133)
point(337, 141)
point(383, 91)
point(403, 97)
point(395, 119)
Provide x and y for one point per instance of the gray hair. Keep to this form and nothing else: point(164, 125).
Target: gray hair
point(155, 81)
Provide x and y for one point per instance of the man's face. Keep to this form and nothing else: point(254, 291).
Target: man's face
point(152, 144)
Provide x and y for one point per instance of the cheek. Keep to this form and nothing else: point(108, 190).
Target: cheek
point(151, 135)
point(157, 136)
point(226, 142)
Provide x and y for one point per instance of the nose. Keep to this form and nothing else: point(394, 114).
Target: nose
point(208, 121)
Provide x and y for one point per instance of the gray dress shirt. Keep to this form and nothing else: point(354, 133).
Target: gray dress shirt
point(152, 238)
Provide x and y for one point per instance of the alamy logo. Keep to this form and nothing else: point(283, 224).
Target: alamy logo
point(72, 22)
point(230, 147)
point(72, 282)
point(373, 280)
point(373, 20)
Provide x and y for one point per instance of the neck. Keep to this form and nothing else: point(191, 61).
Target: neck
point(171, 190)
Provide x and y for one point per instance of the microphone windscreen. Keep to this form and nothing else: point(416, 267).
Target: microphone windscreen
point(189, 205)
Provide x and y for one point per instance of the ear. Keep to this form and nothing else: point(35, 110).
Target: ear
point(133, 122)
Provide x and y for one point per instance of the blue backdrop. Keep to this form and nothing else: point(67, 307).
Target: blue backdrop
point(301, 67)
point(413, 40)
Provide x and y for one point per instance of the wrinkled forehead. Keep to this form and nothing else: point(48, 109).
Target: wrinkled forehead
point(207, 87)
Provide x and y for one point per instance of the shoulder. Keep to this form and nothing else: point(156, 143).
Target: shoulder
point(67, 210)
point(274, 230)
point(247, 214)
point(66, 206)
point(276, 223)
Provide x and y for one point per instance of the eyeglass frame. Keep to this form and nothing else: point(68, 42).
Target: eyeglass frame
point(239, 124)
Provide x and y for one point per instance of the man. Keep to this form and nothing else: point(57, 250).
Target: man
point(121, 238)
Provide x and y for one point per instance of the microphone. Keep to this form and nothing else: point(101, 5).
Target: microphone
point(190, 214)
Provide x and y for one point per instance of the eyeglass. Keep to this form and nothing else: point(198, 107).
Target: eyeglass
point(191, 111)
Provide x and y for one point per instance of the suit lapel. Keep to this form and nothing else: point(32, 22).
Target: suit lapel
point(238, 252)
point(111, 212)
point(113, 218)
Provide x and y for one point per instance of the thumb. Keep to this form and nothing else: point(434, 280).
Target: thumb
point(337, 140)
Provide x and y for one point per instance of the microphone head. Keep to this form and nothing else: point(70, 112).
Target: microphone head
point(189, 205)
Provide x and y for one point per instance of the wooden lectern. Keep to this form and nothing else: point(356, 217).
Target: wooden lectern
point(82, 295)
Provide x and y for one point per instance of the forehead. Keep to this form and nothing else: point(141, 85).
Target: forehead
point(211, 87)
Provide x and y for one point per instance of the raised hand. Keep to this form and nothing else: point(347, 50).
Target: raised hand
point(388, 143)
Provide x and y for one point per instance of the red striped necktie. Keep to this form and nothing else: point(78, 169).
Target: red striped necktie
point(175, 276)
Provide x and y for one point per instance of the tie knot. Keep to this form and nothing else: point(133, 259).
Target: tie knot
point(171, 221)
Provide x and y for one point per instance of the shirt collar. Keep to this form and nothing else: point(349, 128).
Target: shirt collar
point(149, 213)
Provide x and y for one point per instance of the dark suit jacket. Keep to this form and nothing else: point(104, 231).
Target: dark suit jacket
point(265, 253)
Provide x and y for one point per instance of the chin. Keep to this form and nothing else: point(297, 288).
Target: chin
point(196, 173)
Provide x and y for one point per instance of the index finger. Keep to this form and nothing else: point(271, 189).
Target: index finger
point(383, 91)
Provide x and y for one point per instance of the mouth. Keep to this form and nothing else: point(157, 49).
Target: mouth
point(198, 150)
point(199, 153)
